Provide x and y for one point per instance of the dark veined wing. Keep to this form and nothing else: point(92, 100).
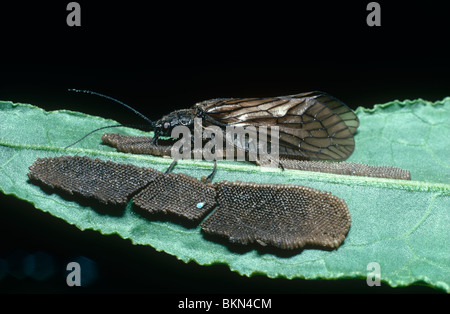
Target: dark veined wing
point(313, 125)
point(345, 113)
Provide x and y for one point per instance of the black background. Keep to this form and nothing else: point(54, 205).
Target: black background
point(158, 58)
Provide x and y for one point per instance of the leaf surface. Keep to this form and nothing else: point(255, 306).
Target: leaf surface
point(401, 225)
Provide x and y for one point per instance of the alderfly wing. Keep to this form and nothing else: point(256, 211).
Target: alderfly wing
point(345, 113)
point(312, 125)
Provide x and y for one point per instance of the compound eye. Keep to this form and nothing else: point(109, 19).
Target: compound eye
point(166, 125)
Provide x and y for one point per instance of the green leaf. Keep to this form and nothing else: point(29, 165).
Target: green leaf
point(401, 225)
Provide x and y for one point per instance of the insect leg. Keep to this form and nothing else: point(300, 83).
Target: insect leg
point(211, 175)
point(171, 166)
point(155, 138)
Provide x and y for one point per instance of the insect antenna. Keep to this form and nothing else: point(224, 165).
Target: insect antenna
point(152, 124)
point(93, 131)
point(115, 100)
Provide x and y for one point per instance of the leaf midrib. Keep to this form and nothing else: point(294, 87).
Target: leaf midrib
point(289, 174)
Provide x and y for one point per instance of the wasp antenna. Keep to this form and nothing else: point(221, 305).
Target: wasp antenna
point(113, 99)
point(93, 131)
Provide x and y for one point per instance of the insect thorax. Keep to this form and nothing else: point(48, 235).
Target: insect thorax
point(183, 117)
